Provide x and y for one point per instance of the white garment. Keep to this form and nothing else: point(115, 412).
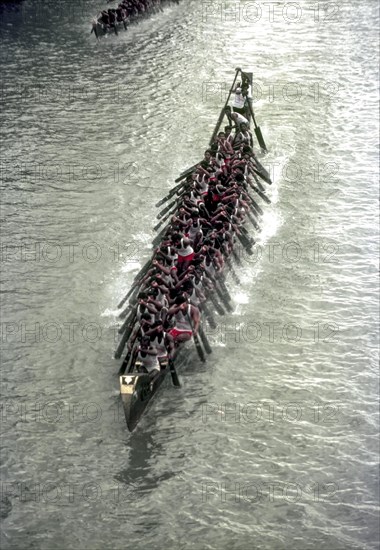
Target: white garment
point(238, 101)
point(240, 118)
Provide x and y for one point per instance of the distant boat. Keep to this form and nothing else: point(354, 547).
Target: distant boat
point(117, 19)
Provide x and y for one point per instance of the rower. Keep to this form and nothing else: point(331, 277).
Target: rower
point(104, 18)
point(144, 306)
point(158, 300)
point(228, 134)
point(170, 277)
point(142, 328)
point(186, 318)
point(244, 136)
point(162, 341)
point(147, 360)
point(237, 118)
point(169, 253)
point(185, 254)
point(112, 18)
point(197, 295)
point(194, 231)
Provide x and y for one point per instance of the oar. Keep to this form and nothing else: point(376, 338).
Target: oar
point(223, 299)
point(176, 204)
point(215, 303)
point(156, 241)
point(261, 171)
point(186, 173)
point(246, 244)
point(139, 275)
point(258, 133)
point(126, 322)
point(179, 193)
point(209, 316)
point(233, 272)
point(158, 225)
point(126, 297)
point(255, 205)
point(261, 194)
point(132, 301)
point(166, 209)
point(169, 195)
point(196, 340)
point(258, 182)
point(236, 257)
point(260, 190)
point(223, 111)
point(174, 374)
point(123, 341)
point(225, 289)
point(124, 364)
point(205, 342)
point(253, 220)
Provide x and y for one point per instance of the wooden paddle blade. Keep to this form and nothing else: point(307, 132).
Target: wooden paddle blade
point(174, 374)
point(199, 349)
point(121, 346)
point(233, 272)
point(209, 316)
point(256, 206)
point(124, 313)
point(262, 195)
point(166, 209)
point(162, 201)
point(205, 342)
point(261, 171)
point(217, 306)
point(260, 138)
point(157, 227)
point(122, 302)
point(245, 243)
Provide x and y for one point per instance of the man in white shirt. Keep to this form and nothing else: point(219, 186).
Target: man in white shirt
point(238, 101)
point(236, 118)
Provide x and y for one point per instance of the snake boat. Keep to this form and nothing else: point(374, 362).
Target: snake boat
point(120, 20)
point(137, 385)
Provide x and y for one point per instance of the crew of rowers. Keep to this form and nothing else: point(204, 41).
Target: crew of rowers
point(190, 259)
point(126, 10)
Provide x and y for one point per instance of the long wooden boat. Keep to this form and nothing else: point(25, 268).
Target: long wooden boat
point(137, 388)
point(122, 23)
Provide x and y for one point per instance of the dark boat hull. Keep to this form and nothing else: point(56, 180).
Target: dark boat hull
point(136, 393)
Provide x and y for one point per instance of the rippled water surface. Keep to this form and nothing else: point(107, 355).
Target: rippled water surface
point(274, 443)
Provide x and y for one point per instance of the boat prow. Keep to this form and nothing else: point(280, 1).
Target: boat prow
point(137, 390)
